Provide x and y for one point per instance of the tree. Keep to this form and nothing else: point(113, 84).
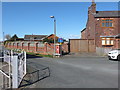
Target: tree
point(7, 36)
point(14, 37)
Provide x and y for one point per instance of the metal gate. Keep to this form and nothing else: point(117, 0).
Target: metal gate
point(13, 67)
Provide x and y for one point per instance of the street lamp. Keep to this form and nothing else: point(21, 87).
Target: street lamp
point(54, 31)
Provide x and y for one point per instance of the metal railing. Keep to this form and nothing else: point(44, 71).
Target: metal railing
point(15, 64)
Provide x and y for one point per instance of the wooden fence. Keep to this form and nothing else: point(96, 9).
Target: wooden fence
point(82, 45)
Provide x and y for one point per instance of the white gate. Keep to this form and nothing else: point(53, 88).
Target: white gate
point(16, 67)
point(5, 69)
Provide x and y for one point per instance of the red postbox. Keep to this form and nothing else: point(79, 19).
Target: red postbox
point(58, 49)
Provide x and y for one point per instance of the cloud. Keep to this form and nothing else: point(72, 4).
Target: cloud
point(69, 36)
point(74, 36)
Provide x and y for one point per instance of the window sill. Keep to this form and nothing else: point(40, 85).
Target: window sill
point(107, 45)
point(107, 27)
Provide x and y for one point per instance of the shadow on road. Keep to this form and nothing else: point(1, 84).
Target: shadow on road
point(32, 56)
point(116, 60)
point(65, 53)
point(34, 75)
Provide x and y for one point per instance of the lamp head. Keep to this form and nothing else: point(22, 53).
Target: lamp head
point(51, 16)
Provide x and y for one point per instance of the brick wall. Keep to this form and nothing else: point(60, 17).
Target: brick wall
point(94, 28)
point(35, 47)
point(90, 26)
point(102, 31)
point(117, 44)
point(83, 34)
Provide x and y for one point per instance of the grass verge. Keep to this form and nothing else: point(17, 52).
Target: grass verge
point(41, 55)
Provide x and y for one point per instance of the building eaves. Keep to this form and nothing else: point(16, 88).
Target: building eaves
point(112, 36)
point(83, 29)
point(101, 14)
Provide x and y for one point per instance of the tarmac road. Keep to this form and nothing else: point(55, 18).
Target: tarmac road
point(78, 72)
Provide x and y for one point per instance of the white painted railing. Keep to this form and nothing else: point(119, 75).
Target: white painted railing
point(16, 67)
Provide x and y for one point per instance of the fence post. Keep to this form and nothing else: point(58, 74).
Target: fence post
point(17, 45)
point(22, 45)
point(45, 47)
point(36, 46)
point(28, 46)
point(15, 72)
point(88, 44)
point(25, 62)
point(9, 70)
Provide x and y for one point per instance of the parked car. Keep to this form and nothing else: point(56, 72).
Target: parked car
point(114, 55)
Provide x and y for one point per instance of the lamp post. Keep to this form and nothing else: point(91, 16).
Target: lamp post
point(54, 31)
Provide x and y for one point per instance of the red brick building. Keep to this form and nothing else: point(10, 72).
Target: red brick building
point(39, 37)
point(52, 37)
point(103, 27)
point(34, 37)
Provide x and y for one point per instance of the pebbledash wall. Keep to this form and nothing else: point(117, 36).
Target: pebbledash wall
point(36, 47)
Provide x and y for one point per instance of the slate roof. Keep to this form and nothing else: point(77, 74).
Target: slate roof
point(113, 36)
point(107, 36)
point(34, 37)
point(52, 35)
point(101, 14)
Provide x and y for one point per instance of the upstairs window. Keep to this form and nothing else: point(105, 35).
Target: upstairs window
point(107, 23)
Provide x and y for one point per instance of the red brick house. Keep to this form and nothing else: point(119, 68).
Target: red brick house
point(38, 37)
point(83, 34)
point(52, 37)
point(103, 27)
point(34, 37)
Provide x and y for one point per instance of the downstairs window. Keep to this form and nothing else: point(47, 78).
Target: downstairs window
point(107, 41)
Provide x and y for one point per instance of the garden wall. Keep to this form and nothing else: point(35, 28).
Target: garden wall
point(36, 47)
